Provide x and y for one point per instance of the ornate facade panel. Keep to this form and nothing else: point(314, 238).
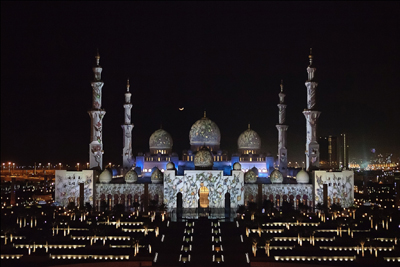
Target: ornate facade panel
point(250, 189)
point(67, 186)
point(340, 187)
point(119, 189)
point(287, 190)
point(189, 185)
point(156, 189)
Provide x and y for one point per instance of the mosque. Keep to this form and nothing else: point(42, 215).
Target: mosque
point(204, 177)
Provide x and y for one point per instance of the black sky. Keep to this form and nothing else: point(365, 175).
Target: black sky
point(224, 57)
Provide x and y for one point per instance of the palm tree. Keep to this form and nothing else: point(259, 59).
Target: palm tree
point(268, 239)
point(362, 243)
point(153, 205)
point(96, 230)
point(8, 229)
point(254, 247)
point(253, 209)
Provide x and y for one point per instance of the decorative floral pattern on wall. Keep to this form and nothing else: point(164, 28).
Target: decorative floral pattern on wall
point(119, 189)
point(156, 189)
point(189, 185)
point(250, 189)
point(340, 187)
point(67, 186)
point(288, 189)
point(278, 189)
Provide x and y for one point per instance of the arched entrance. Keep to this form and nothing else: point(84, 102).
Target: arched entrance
point(203, 194)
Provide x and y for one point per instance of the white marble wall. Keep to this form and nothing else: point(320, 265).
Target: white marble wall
point(217, 184)
point(340, 187)
point(67, 186)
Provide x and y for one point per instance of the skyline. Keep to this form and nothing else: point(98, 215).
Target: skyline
point(225, 58)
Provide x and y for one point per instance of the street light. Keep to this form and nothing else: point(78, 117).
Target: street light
point(59, 165)
point(87, 165)
point(78, 166)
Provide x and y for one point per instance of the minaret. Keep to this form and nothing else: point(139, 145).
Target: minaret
point(127, 132)
point(312, 147)
point(96, 114)
point(282, 128)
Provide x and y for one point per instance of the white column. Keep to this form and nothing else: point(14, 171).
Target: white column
point(282, 150)
point(127, 132)
point(311, 115)
point(96, 114)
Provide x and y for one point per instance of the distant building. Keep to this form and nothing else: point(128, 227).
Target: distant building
point(329, 152)
point(343, 151)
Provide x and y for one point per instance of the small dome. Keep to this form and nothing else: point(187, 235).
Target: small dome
point(170, 166)
point(249, 139)
point(204, 132)
point(160, 139)
point(203, 158)
point(250, 177)
point(276, 177)
point(157, 176)
point(105, 177)
point(131, 177)
point(237, 166)
point(255, 170)
point(302, 177)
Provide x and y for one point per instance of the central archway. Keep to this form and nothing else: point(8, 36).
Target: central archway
point(203, 194)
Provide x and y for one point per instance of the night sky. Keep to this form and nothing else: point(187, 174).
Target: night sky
point(227, 58)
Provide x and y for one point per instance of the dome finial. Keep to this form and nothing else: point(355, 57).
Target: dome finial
point(282, 86)
point(127, 85)
point(248, 125)
point(97, 57)
point(310, 57)
point(205, 114)
point(160, 125)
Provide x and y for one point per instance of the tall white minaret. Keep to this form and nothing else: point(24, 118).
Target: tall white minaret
point(312, 147)
point(96, 114)
point(127, 132)
point(282, 128)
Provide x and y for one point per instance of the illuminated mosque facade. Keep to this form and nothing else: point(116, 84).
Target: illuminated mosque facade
point(204, 177)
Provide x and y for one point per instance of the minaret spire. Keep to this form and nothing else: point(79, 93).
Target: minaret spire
point(282, 128)
point(312, 115)
point(96, 114)
point(127, 159)
point(97, 57)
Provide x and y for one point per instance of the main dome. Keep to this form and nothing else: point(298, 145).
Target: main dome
point(204, 132)
point(249, 139)
point(160, 139)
